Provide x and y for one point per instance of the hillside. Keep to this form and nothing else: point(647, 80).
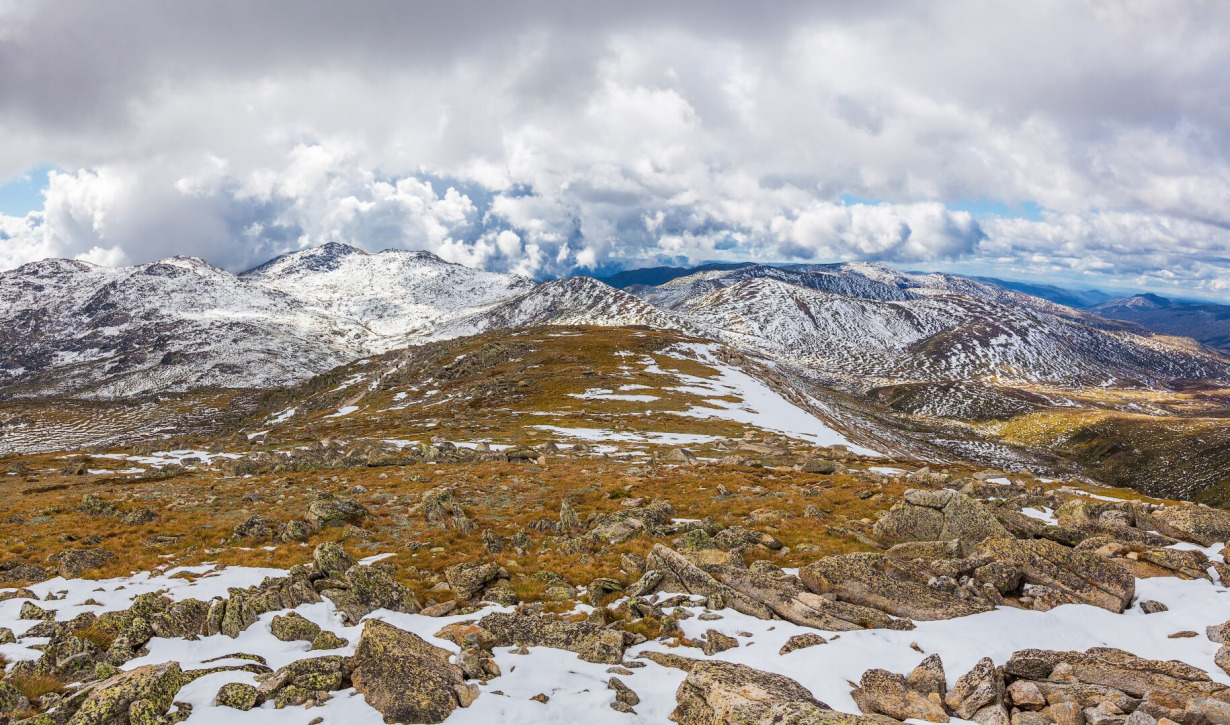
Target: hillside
point(1207, 323)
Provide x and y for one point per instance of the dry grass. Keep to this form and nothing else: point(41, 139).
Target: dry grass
point(35, 686)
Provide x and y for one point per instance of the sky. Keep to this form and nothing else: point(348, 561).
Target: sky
point(1077, 143)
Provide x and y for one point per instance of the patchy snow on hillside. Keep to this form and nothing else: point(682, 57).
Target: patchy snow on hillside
point(758, 405)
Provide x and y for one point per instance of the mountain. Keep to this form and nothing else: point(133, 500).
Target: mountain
point(861, 325)
point(1205, 322)
point(651, 276)
point(1060, 295)
point(72, 328)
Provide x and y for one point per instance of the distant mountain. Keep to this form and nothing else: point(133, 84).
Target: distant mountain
point(1205, 322)
point(859, 326)
point(1059, 295)
point(72, 328)
point(653, 276)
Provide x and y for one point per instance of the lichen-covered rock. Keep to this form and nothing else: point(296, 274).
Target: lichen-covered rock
point(110, 701)
point(469, 578)
point(328, 510)
point(72, 562)
point(1107, 667)
point(238, 695)
point(801, 641)
point(977, 690)
point(12, 699)
point(723, 692)
point(941, 515)
point(591, 642)
point(256, 527)
point(681, 575)
point(882, 582)
point(331, 560)
point(928, 677)
point(795, 604)
point(1190, 522)
point(1075, 576)
point(881, 692)
point(30, 610)
point(327, 640)
point(293, 627)
point(716, 642)
point(407, 679)
point(370, 588)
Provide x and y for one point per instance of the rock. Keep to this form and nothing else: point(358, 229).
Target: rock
point(1207, 711)
point(623, 693)
point(371, 588)
point(681, 455)
point(1074, 576)
point(293, 627)
point(788, 600)
point(1198, 524)
point(327, 640)
point(405, 678)
point(30, 610)
point(716, 642)
point(468, 579)
point(1222, 658)
point(927, 550)
point(723, 692)
point(941, 515)
point(1026, 695)
point(801, 641)
point(1150, 606)
point(12, 699)
point(1218, 633)
point(256, 527)
point(819, 466)
point(238, 695)
point(679, 574)
point(928, 677)
point(294, 531)
point(881, 582)
point(594, 644)
point(1113, 668)
point(328, 510)
point(109, 703)
point(976, 690)
point(72, 562)
point(330, 559)
point(885, 693)
point(541, 697)
point(139, 517)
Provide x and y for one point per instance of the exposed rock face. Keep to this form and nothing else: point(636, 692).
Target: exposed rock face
point(722, 692)
point(328, 510)
point(941, 515)
point(886, 693)
point(150, 688)
point(1113, 668)
point(978, 695)
point(1199, 524)
point(72, 562)
point(681, 575)
point(790, 601)
point(587, 639)
point(886, 584)
point(407, 679)
point(1069, 576)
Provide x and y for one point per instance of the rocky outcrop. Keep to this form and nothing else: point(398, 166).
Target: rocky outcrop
point(884, 583)
point(885, 693)
point(793, 603)
point(1062, 576)
point(592, 642)
point(1189, 522)
point(151, 688)
point(722, 692)
point(681, 575)
point(407, 679)
point(943, 515)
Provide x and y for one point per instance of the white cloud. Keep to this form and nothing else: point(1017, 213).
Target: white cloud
point(552, 138)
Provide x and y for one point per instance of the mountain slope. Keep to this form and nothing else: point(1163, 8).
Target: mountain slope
point(865, 325)
point(1207, 323)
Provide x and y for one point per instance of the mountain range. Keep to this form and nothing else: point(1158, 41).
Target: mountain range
point(72, 328)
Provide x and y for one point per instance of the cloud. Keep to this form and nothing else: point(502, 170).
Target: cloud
point(550, 137)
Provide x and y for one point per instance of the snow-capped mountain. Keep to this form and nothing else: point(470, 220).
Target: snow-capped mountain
point(866, 325)
point(74, 328)
point(392, 293)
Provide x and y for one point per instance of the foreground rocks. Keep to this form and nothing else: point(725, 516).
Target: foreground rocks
point(723, 692)
point(406, 678)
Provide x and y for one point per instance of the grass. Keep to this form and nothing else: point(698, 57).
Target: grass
point(35, 686)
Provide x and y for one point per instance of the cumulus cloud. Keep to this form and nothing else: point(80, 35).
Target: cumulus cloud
point(550, 137)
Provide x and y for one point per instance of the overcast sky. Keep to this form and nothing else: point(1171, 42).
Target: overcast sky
point(1077, 142)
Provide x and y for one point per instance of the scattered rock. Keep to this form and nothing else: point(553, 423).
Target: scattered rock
point(407, 679)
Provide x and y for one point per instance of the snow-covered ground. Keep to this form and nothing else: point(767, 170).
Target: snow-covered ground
point(574, 686)
point(759, 405)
